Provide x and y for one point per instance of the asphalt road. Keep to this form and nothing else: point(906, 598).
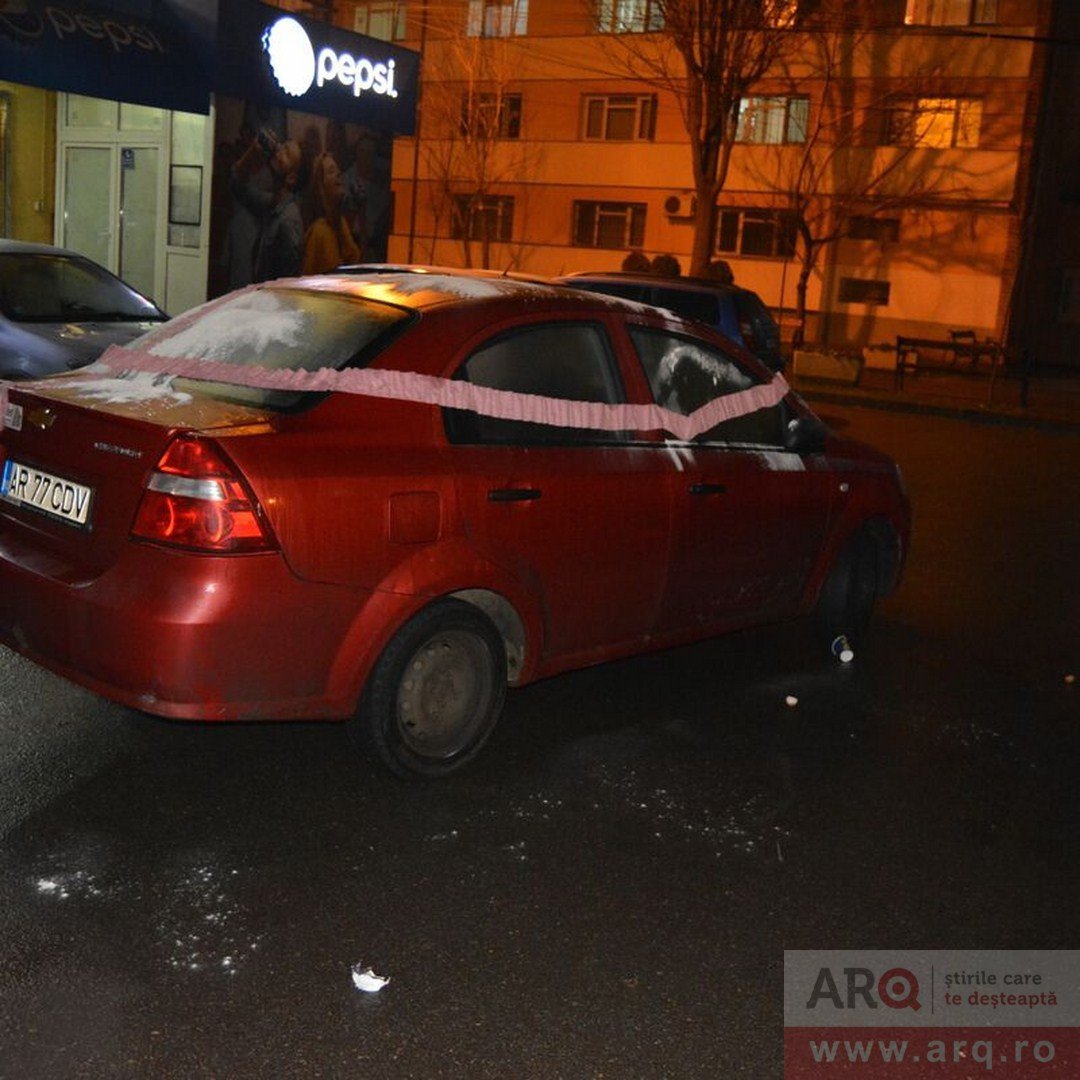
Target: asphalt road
point(609, 891)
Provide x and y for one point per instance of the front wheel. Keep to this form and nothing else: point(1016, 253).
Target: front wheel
point(435, 693)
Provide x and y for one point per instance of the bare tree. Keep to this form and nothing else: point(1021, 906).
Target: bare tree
point(707, 54)
point(472, 139)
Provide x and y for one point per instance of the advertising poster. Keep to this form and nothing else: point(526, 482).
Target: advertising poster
point(294, 194)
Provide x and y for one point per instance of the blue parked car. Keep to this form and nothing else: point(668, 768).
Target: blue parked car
point(60, 311)
point(738, 314)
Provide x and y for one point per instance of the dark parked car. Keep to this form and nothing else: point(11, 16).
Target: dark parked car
point(386, 497)
point(60, 311)
point(737, 313)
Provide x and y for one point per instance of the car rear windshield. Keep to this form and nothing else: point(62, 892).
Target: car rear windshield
point(62, 288)
point(278, 328)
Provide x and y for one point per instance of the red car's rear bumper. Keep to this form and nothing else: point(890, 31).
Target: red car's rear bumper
point(185, 636)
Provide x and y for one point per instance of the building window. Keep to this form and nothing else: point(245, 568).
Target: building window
point(863, 291)
point(608, 224)
point(757, 232)
point(483, 217)
point(385, 21)
point(773, 120)
point(950, 12)
point(883, 230)
point(620, 117)
point(492, 18)
point(491, 116)
point(629, 16)
point(937, 122)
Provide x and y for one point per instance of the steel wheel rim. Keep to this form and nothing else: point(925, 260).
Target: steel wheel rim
point(445, 693)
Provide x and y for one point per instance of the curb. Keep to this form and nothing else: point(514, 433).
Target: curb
point(968, 413)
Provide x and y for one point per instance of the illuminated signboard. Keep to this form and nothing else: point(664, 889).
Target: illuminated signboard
point(162, 58)
point(313, 67)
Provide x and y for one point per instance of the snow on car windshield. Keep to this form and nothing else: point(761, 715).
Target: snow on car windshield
point(277, 328)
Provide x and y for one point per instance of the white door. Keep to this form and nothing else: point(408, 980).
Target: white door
point(112, 210)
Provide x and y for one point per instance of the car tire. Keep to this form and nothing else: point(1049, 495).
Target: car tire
point(846, 600)
point(435, 693)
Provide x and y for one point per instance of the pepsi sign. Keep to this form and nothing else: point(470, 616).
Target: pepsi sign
point(313, 67)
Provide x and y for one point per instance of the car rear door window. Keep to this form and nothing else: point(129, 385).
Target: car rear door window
point(686, 374)
point(571, 361)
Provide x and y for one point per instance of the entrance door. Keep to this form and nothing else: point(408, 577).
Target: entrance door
point(111, 209)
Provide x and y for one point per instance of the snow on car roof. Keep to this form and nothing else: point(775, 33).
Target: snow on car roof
point(423, 288)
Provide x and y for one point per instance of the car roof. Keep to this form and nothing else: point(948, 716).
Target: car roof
point(22, 247)
point(658, 281)
point(422, 287)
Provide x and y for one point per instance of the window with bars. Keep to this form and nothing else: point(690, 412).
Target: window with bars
point(950, 12)
point(483, 217)
point(629, 16)
point(756, 232)
point(385, 21)
point(937, 122)
point(620, 117)
point(491, 116)
point(608, 224)
point(773, 120)
point(492, 18)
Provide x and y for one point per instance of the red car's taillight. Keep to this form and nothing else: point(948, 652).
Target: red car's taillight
point(195, 499)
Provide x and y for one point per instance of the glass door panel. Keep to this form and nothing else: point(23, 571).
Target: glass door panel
point(139, 216)
point(88, 202)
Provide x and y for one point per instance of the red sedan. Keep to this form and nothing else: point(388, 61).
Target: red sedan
point(383, 497)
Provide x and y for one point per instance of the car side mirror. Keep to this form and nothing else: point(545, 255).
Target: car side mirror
point(805, 435)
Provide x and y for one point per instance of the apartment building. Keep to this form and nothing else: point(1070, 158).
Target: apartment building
point(539, 148)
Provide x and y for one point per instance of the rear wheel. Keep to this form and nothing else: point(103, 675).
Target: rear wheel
point(435, 693)
point(847, 598)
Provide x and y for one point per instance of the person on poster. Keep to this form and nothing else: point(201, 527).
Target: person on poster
point(329, 242)
point(279, 247)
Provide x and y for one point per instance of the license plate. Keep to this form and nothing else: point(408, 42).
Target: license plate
point(52, 495)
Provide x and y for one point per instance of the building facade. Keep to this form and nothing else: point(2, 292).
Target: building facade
point(539, 150)
point(902, 166)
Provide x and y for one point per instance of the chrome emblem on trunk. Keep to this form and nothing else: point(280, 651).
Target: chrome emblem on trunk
point(112, 448)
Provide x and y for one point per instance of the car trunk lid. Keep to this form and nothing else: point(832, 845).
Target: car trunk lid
point(80, 450)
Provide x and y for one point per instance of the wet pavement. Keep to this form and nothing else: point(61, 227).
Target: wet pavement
point(609, 891)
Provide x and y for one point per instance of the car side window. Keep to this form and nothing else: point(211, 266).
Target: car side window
point(624, 290)
point(689, 304)
point(686, 374)
point(571, 361)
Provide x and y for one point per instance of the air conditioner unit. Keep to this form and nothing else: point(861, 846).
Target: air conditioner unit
point(680, 206)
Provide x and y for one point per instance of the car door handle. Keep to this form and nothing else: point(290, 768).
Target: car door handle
point(513, 494)
point(708, 489)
